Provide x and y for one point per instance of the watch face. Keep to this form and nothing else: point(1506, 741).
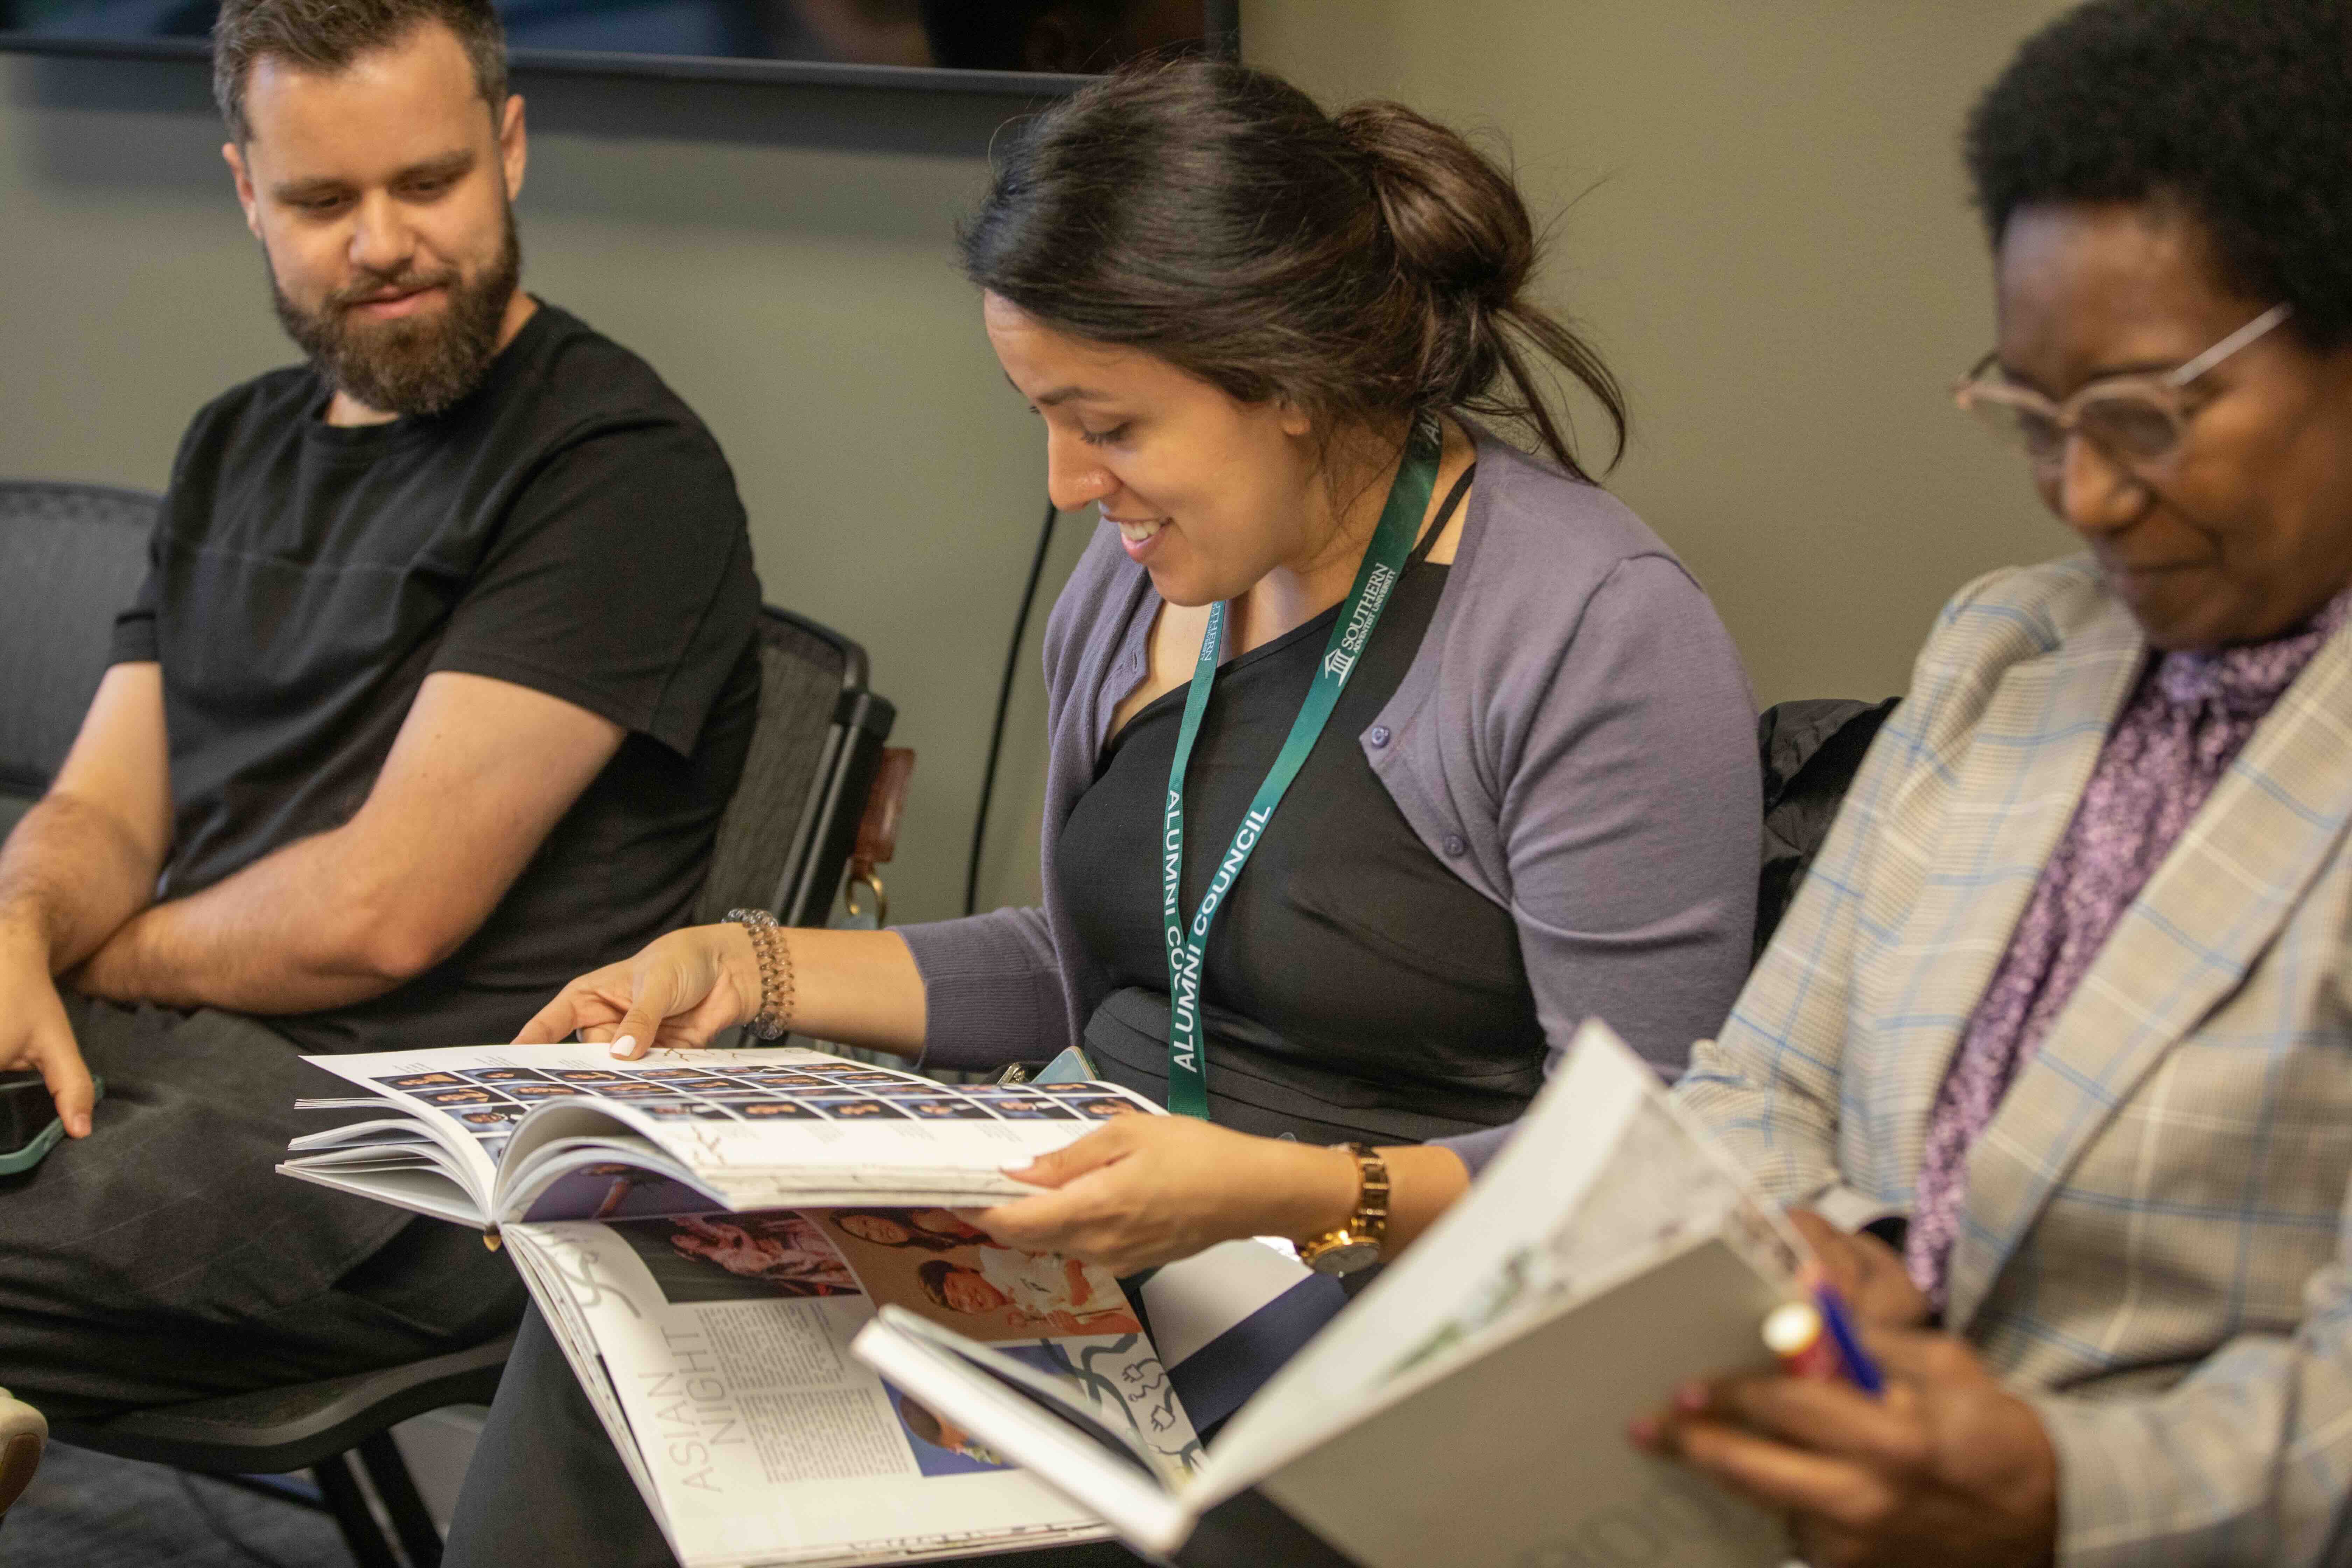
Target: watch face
point(1345, 1259)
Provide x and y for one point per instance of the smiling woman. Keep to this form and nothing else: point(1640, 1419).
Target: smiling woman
point(1382, 753)
point(1256, 335)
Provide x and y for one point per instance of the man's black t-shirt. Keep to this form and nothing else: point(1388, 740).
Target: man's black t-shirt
point(570, 526)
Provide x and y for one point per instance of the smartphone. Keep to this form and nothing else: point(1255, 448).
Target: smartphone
point(29, 1126)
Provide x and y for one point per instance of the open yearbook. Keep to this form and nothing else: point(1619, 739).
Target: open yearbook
point(1470, 1407)
point(487, 1135)
point(706, 1232)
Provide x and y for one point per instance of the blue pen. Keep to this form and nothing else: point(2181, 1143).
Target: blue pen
point(1860, 1369)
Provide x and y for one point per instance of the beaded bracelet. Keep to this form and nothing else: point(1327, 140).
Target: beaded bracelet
point(775, 957)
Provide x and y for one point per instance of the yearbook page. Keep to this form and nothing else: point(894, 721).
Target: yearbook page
point(715, 1347)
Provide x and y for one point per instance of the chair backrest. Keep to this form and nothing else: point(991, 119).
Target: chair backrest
point(71, 556)
point(786, 836)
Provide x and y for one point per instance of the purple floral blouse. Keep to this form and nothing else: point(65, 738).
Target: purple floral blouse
point(2185, 722)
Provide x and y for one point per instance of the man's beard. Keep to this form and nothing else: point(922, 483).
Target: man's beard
point(413, 367)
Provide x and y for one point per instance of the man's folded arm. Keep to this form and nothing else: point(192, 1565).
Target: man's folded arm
point(84, 860)
point(480, 772)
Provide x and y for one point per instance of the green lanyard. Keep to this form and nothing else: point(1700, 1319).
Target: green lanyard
point(1384, 558)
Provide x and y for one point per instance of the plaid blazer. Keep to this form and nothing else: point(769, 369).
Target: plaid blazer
point(2153, 1247)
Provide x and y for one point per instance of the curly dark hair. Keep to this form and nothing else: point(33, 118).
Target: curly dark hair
point(2239, 109)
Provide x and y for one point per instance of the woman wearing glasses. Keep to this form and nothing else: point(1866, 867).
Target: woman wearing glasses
point(2069, 994)
point(2066, 1004)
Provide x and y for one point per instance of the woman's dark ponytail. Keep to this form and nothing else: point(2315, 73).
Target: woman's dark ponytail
point(1466, 247)
point(1364, 266)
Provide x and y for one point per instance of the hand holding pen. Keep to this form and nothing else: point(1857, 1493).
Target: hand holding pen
point(1864, 1274)
point(1908, 1451)
point(1817, 1339)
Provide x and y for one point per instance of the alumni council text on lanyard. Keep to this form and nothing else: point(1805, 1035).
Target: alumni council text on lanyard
point(1384, 558)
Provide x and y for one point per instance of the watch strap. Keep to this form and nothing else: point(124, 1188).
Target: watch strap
point(1363, 1240)
point(1370, 1220)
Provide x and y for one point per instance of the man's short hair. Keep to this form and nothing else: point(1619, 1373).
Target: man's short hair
point(327, 36)
point(2241, 110)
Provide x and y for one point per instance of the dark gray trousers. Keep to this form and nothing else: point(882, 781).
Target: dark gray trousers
point(546, 1486)
point(163, 1259)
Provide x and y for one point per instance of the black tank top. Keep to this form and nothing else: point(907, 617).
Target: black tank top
point(1355, 986)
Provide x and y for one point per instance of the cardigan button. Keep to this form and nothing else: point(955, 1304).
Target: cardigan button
point(1455, 843)
point(1379, 735)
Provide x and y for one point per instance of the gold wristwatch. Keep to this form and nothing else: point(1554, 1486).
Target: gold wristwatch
point(1360, 1243)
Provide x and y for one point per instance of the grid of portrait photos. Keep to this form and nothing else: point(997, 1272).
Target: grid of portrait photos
point(487, 1101)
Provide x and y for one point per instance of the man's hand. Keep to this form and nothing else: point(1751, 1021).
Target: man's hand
point(1947, 1469)
point(34, 1033)
point(1866, 1272)
point(78, 865)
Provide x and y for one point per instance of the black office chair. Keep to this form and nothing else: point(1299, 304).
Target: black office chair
point(70, 557)
point(785, 840)
point(72, 554)
point(315, 1427)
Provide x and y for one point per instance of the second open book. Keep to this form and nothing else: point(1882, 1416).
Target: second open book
point(1469, 1408)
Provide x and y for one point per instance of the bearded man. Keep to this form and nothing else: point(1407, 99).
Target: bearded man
point(441, 678)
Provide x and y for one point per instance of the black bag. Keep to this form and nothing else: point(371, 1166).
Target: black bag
point(1810, 750)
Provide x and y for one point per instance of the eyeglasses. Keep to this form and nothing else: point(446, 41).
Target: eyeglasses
point(2139, 421)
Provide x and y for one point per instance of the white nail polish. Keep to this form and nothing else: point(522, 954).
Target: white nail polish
point(625, 1045)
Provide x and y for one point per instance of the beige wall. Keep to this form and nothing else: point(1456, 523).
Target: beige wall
point(1759, 218)
point(1763, 225)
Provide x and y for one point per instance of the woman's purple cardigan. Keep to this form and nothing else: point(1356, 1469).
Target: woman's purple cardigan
point(1575, 740)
